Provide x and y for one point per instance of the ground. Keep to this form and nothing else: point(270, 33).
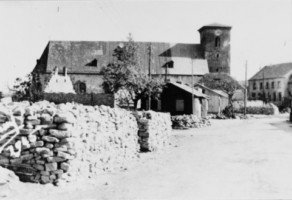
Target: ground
point(232, 159)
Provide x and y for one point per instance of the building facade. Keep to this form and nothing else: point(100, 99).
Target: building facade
point(187, 63)
point(271, 84)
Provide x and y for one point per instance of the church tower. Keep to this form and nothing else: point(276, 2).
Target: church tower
point(215, 43)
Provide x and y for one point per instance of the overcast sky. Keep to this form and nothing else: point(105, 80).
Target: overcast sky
point(261, 30)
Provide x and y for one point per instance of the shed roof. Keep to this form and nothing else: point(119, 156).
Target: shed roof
point(218, 92)
point(189, 89)
point(273, 71)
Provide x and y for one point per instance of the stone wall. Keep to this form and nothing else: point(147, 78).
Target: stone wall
point(86, 99)
point(68, 141)
point(154, 130)
point(42, 152)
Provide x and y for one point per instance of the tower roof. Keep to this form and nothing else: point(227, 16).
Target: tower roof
point(215, 25)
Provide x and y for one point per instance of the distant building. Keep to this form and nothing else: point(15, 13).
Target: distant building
point(217, 100)
point(178, 99)
point(271, 83)
point(83, 60)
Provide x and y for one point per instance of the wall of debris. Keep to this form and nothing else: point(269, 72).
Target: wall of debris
point(70, 141)
point(85, 99)
point(154, 130)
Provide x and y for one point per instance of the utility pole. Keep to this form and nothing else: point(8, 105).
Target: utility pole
point(192, 86)
point(245, 88)
point(149, 69)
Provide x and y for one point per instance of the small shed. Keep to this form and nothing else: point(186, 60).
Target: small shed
point(218, 99)
point(176, 98)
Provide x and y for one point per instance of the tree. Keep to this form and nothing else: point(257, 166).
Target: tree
point(28, 88)
point(125, 75)
point(221, 81)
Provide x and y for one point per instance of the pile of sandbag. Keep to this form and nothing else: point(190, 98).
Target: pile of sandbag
point(154, 129)
point(189, 121)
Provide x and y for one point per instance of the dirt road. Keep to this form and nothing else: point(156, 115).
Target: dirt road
point(232, 159)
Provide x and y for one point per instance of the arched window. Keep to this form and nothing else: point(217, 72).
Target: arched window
point(82, 88)
point(217, 41)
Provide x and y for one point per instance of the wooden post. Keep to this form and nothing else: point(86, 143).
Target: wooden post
point(245, 89)
point(149, 68)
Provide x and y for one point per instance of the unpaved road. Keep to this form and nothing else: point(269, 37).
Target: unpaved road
point(232, 159)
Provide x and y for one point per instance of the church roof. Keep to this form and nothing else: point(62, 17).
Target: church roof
point(88, 57)
point(273, 71)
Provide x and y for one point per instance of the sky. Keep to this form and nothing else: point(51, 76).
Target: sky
point(261, 31)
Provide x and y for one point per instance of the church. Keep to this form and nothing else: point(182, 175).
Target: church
point(82, 61)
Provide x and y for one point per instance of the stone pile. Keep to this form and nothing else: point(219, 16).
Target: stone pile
point(189, 121)
point(107, 140)
point(69, 141)
point(43, 150)
point(154, 129)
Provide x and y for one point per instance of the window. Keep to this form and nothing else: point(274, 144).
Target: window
point(259, 95)
point(82, 88)
point(261, 85)
point(280, 96)
point(254, 86)
point(217, 55)
point(279, 84)
point(179, 105)
point(273, 85)
point(217, 41)
point(267, 85)
point(253, 95)
point(92, 63)
point(275, 96)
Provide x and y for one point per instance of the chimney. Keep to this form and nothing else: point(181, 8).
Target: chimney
point(65, 71)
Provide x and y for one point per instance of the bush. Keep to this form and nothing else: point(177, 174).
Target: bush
point(262, 110)
point(228, 112)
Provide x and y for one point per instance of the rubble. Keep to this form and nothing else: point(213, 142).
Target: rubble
point(154, 129)
point(189, 121)
point(68, 141)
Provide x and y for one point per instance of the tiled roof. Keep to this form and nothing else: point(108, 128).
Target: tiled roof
point(189, 89)
point(77, 56)
point(273, 71)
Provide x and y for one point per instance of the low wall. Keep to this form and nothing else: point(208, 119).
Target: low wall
point(85, 99)
point(154, 129)
point(68, 141)
point(43, 150)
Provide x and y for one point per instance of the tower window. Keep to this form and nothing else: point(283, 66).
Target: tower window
point(217, 41)
point(217, 55)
